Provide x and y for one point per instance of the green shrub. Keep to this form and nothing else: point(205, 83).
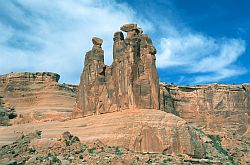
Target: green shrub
point(55, 159)
point(217, 145)
point(75, 139)
point(118, 152)
point(91, 150)
point(81, 156)
point(38, 133)
point(32, 150)
point(67, 142)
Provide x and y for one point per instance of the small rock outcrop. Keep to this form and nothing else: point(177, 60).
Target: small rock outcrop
point(36, 96)
point(6, 113)
point(130, 82)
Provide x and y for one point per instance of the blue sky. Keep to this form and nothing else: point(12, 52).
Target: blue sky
point(197, 41)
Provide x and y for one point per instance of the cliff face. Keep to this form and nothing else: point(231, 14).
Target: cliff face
point(216, 107)
point(130, 82)
point(37, 96)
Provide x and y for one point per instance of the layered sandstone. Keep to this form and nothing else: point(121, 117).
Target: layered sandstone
point(139, 130)
point(130, 82)
point(216, 107)
point(37, 96)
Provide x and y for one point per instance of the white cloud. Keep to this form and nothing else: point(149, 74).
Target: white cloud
point(198, 54)
point(220, 75)
point(54, 36)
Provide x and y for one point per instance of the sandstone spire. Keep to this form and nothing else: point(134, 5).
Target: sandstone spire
point(130, 82)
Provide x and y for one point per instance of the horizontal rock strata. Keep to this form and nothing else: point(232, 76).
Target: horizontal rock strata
point(139, 130)
point(216, 107)
point(37, 96)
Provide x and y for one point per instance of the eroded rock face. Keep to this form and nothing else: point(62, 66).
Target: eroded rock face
point(141, 130)
point(216, 107)
point(37, 96)
point(130, 82)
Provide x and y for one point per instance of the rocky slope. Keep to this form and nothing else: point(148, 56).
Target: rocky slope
point(139, 131)
point(37, 96)
point(67, 149)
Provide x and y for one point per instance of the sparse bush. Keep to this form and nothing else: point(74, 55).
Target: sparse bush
point(67, 142)
point(217, 145)
point(32, 150)
point(166, 160)
point(118, 152)
point(55, 159)
point(91, 150)
point(149, 161)
point(67, 135)
point(38, 133)
point(81, 156)
point(75, 139)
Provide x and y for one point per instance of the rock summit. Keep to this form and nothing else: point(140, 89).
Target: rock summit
point(131, 82)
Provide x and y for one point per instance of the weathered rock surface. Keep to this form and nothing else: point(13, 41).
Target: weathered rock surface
point(140, 130)
point(6, 115)
point(32, 149)
point(130, 82)
point(37, 96)
point(216, 107)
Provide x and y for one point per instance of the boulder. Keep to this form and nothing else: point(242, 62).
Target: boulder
point(128, 27)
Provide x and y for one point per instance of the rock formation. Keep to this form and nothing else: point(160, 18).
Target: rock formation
point(130, 82)
point(37, 96)
point(205, 121)
point(216, 107)
point(6, 113)
point(140, 130)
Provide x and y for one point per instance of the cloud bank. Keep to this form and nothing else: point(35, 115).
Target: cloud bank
point(46, 36)
point(210, 59)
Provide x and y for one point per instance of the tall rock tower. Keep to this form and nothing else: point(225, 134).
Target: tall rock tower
point(131, 82)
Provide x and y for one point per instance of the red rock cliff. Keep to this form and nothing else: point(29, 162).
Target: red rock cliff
point(37, 96)
point(216, 107)
point(130, 82)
